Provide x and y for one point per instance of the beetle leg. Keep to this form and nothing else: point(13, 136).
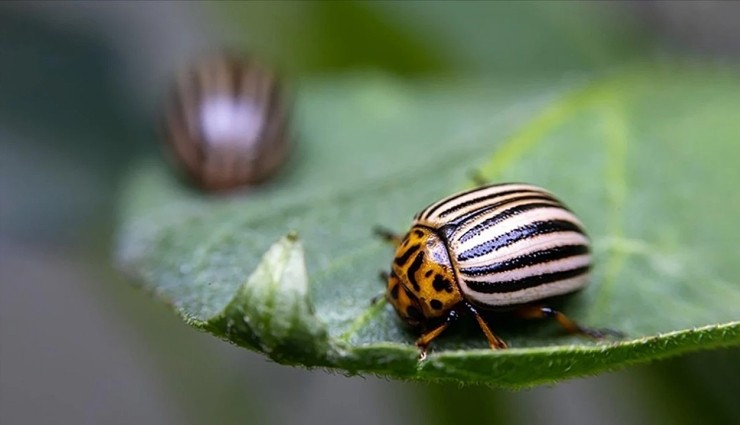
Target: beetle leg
point(427, 338)
point(570, 326)
point(493, 341)
point(388, 235)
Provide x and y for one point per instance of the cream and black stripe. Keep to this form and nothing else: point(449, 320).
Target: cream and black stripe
point(226, 122)
point(511, 243)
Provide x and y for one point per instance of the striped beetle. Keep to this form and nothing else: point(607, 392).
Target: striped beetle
point(497, 247)
point(226, 122)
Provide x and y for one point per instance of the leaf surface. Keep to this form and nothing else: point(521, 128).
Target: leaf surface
point(646, 157)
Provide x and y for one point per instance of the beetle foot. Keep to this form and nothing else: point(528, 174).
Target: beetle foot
point(422, 352)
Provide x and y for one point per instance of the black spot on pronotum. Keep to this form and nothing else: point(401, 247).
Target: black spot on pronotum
point(440, 284)
point(414, 268)
point(436, 304)
point(428, 273)
point(403, 258)
point(414, 313)
point(394, 292)
point(418, 233)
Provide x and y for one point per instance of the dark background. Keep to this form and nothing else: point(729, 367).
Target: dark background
point(79, 86)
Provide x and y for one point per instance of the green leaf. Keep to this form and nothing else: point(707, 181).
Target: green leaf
point(647, 157)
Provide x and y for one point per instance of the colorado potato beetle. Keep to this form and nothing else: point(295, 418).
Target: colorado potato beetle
point(498, 247)
point(226, 122)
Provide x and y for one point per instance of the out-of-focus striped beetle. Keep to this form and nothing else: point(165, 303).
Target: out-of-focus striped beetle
point(226, 122)
point(498, 247)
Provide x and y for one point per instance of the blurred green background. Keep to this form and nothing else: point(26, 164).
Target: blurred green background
point(79, 90)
